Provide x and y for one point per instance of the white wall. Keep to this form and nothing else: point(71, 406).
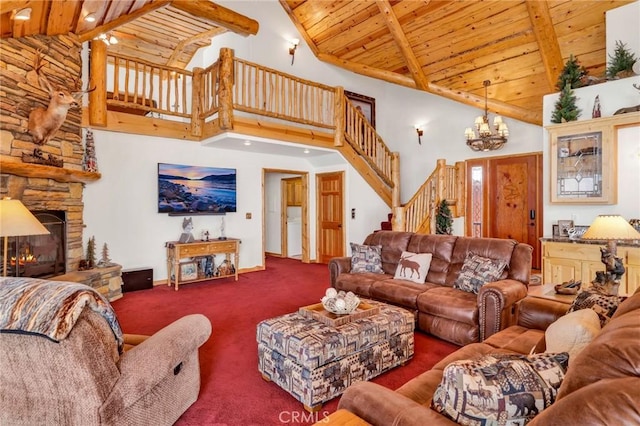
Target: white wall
point(613, 95)
point(623, 24)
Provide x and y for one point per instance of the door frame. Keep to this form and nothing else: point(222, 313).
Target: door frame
point(319, 209)
point(305, 212)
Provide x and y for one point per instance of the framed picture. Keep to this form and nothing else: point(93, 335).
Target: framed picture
point(188, 271)
point(365, 104)
point(583, 163)
point(564, 226)
point(555, 230)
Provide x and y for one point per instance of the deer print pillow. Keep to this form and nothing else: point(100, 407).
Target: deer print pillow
point(413, 266)
point(499, 388)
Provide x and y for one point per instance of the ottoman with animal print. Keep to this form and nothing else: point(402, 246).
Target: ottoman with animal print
point(316, 362)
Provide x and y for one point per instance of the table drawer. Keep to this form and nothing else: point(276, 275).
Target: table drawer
point(204, 249)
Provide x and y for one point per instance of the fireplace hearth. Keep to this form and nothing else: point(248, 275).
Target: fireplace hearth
point(40, 256)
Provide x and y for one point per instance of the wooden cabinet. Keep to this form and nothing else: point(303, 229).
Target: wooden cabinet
point(201, 260)
point(579, 261)
point(294, 191)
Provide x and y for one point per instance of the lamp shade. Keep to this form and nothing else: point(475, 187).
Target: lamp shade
point(611, 227)
point(16, 220)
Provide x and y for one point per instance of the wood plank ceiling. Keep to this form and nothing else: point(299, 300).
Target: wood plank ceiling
point(446, 47)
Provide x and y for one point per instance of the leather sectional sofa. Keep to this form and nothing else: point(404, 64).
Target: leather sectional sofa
point(600, 386)
point(449, 313)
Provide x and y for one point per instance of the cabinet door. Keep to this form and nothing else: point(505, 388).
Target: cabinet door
point(632, 264)
point(589, 269)
point(557, 271)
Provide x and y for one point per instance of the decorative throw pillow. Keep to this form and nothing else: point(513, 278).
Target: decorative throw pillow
point(413, 266)
point(499, 388)
point(604, 305)
point(572, 332)
point(477, 271)
point(366, 258)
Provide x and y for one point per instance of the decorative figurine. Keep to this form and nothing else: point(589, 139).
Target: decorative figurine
point(187, 227)
point(596, 108)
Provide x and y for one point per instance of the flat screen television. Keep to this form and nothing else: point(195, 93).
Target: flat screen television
point(196, 189)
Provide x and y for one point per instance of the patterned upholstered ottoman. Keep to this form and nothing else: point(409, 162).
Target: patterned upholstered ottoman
point(315, 362)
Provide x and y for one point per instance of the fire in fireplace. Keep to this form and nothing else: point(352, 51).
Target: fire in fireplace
point(40, 256)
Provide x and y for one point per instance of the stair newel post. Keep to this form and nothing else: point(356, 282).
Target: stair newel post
point(397, 221)
point(225, 90)
point(196, 102)
point(442, 179)
point(338, 116)
point(98, 97)
point(460, 188)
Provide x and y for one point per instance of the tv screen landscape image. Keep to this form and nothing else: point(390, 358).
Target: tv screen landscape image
point(196, 189)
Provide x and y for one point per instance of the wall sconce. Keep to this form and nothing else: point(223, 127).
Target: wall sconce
point(23, 14)
point(292, 49)
point(420, 133)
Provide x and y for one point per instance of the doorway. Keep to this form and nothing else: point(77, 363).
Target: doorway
point(330, 210)
point(277, 202)
point(504, 199)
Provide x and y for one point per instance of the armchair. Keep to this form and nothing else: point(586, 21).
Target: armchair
point(83, 379)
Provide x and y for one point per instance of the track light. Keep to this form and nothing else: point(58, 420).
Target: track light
point(91, 17)
point(23, 14)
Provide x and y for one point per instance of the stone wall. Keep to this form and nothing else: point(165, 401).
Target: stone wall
point(18, 96)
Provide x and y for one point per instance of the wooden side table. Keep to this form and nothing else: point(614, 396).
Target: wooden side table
point(185, 272)
point(547, 291)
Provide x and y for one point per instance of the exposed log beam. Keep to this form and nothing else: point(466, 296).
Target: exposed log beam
point(508, 110)
point(301, 29)
point(547, 39)
point(90, 35)
point(196, 38)
point(401, 40)
point(220, 15)
point(8, 6)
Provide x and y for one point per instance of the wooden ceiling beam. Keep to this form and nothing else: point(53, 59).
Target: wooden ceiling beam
point(9, 5)
point(401, 40)
point(90, 35)
point(196, 38)
point(219, 15)
point(502, 108)
point(301, 29)
point(547, 39)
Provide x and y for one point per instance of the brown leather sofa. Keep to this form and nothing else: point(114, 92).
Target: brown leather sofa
point(443, 311)
point(600, 386)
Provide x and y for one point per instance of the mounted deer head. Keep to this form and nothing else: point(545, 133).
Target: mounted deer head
point(44, 123)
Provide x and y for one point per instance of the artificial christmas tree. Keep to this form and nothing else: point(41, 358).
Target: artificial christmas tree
point(572, 73)
point(621, 63)
point(566, 109)
point(105, 261)
point(90, 162)
point(444, 221)
point(91, 252)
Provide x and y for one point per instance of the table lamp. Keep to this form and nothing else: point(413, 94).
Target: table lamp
point(16, 221)
point(610, 228)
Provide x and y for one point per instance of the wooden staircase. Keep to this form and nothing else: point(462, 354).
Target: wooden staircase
point(204, 103)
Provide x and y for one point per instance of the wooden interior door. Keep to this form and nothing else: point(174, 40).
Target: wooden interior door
point(505, 199)
point(330, 215)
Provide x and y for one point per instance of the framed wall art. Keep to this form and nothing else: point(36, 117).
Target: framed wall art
point(583, 160)
point(564, 226)
point(365, 104)
point(188, 271)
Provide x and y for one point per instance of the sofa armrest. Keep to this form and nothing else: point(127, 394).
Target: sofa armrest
point(497, 305)
point(147, 364)
point(381, 406)
point(538, 313)
point(337, 266)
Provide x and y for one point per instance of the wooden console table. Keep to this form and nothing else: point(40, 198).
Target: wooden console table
point(192, 271)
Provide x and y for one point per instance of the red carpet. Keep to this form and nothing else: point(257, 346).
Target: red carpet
point(233, 391)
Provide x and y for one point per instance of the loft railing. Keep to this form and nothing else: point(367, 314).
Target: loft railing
point(445, 183)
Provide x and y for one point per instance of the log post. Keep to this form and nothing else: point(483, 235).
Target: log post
point(338, 116)
point(397, 221)
point(98, 97)
point(461, 196)
point(441, 168)
point(197, 121)
point(225, 95)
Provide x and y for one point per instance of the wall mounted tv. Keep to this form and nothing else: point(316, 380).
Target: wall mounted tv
point(185, 190)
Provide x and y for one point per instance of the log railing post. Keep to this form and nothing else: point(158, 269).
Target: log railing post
point(338, 118)
point(197, 120)
point(442, 179)
point(460, 188)
point(225, 94)
point(98, 97)
point(397, 221)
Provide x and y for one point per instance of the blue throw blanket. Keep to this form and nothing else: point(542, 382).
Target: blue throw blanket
point(50, 308)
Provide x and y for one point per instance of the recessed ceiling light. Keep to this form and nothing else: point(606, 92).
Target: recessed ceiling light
point(23, 14)
point(91, 17)
point(306, 151)
point(247, 143)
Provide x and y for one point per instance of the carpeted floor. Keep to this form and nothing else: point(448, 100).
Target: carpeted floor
point(232, 390)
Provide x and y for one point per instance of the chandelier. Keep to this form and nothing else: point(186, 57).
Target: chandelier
point(486, 139)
